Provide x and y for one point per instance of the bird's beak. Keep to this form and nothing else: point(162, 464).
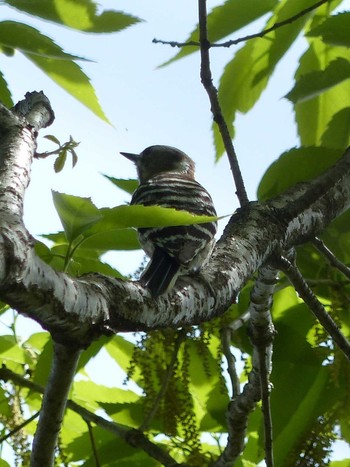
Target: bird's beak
point(130, 156)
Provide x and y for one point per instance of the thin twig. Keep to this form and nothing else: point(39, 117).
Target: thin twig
point(332, 259)
point(165, 383)
point(93, 443)
point(226, 335)
point(248, 37)
point(266, 408)
point(207, 81)
point(19, 427)
point(316, 307)
point(133, 437)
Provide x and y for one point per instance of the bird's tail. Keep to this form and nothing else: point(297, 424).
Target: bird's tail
point(160, 273)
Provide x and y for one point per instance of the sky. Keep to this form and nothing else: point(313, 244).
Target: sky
point(146, 105)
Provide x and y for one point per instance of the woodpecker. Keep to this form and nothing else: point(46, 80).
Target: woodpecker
point(166, 177)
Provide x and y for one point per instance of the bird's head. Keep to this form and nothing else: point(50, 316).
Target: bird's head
point(156, 160)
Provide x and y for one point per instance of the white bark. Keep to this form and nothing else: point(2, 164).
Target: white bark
point(77, 310)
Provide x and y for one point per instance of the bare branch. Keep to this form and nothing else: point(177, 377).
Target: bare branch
point(93, 444)
point(19, 427)
point(262, 332)
point(207, 81)
point(302, 288)
point(332, 259)
point(226, 335)
point(248, 37)
point(237, 419)
point(133, 437)
point(277, 25)
point(53, 406)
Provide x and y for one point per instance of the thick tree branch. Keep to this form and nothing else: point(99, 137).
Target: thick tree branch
point(53, 406)
point(78, 310)
point(262, 333)
point(258, 387)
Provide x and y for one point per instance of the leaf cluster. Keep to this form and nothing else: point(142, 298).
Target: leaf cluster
point(60, 66)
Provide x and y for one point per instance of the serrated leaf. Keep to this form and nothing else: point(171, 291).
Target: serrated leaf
point(226, 19)
point(76, 214)
point(90, 394)
point(51, 59)
point(82, 15)
point(70, 77)
point(128, 185)
point(334, 30)
point(312, 84)
point(58, 238)
point(5, 93)
point(29, 40)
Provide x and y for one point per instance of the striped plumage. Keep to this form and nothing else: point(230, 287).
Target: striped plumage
point(167, 179)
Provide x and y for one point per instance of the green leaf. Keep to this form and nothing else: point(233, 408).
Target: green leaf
point(337, 134)
point(60, 161)
point(53, 139)
point(206, 383)
point(122, 350)
point(82, 15)
point(91, 351)
point(80, 265)
point(29, 40)
point(248, 74)
point(91, 394)
point(104, 237)
point(313, 116)
point(334, 30)
point(296, 363)
point(150, 216)
point(101, 237)
point(296, 165)
point(70, 77)
point(5, 93)
point(43, 252)
point(342, 463)
point(51, 59)
point(128, 185)
point(58, 238)
point(314, 83)
point(11, 351)
point(226, 19)
point(76, 214)
point(4, 463)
